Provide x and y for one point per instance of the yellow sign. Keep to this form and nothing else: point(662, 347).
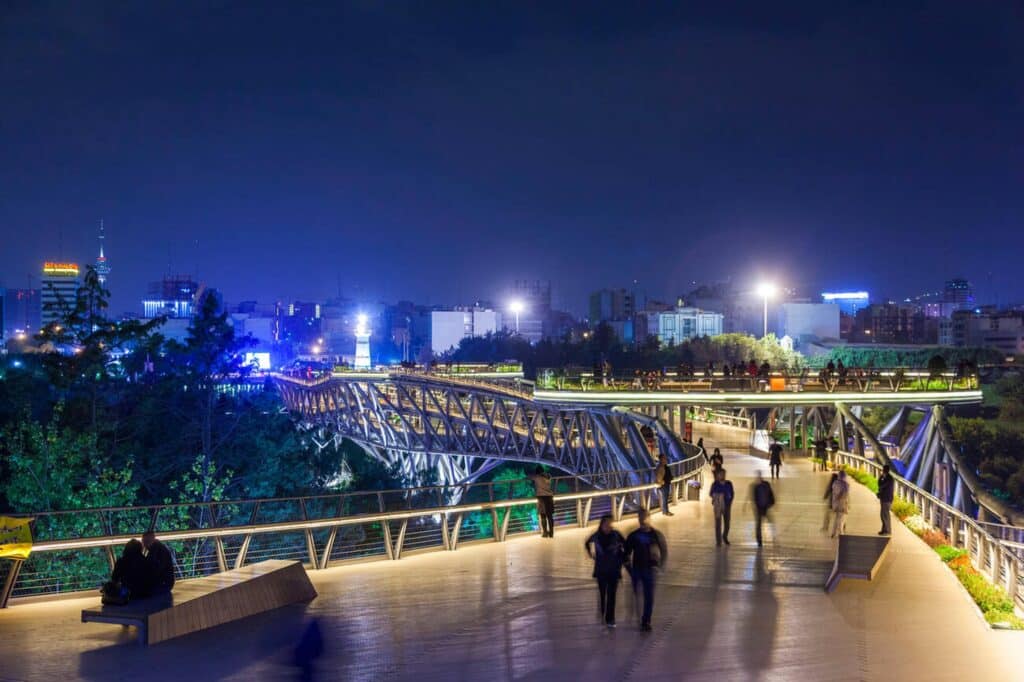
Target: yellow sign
point(63, 269)
point(15, 538)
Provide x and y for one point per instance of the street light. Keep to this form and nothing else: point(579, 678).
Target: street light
point(766, 290)
point(516, 307)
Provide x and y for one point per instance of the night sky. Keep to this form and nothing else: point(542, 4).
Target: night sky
point(437, 151)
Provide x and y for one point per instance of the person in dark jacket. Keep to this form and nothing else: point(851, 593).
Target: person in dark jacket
point(159, 565)
point(129, 579)
point(827, 522)
point(545, 501)
point(764, 499)
point(607, 548)
point(721, 499)
point(775, 458)
point(886, 491)
point(645, 552)
point(717, 461)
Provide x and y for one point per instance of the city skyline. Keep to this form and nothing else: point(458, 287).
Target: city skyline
point(368, 149)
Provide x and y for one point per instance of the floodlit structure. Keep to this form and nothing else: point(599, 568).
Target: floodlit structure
point(362, 360)
point(59, 286)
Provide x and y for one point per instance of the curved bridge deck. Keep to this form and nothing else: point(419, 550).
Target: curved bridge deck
point(525, 610)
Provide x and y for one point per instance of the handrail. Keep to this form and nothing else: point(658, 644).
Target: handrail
point(991, 555)
point(432, 523)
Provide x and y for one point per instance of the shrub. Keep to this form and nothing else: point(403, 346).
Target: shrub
point(986, 595)
point(948, 553)
point(1004, 620)
point(934, 538)
point(961, 562)
point(863, 478)
point(916, 524)
point(903, 508)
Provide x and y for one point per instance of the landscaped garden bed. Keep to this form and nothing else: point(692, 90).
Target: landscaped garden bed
point(994, 602)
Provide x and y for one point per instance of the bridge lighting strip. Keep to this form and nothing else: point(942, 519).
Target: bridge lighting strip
point(196, 534)
point(755, 399)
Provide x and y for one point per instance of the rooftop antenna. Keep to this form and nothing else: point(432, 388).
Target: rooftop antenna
point(102, 267)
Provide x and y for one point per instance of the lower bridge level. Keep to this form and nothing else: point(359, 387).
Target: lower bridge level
point(526, 610)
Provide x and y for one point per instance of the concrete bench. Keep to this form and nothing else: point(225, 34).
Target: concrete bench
point(214, 600)
point(858, 556)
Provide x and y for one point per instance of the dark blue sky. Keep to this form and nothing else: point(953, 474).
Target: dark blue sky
point(437, 151)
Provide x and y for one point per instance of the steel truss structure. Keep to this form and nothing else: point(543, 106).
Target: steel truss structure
point(461, 430)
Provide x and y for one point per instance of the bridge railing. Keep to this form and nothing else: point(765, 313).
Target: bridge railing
point(75, 550)
point(856, 380)
point(993, 549)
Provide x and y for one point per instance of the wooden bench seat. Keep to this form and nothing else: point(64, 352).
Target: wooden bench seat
point(214, 600)
point(858, 556)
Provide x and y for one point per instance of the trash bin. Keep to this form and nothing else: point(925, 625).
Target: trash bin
point(777, 384)
point(692, 493)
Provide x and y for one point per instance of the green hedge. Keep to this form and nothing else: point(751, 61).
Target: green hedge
point(947, 552)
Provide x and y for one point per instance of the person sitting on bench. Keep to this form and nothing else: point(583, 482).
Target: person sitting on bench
point(159, 565)
point(128, 579)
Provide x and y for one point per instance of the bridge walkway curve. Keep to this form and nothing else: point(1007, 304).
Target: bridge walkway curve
point(526, 610)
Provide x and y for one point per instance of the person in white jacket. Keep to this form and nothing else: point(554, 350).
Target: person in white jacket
point(840, 503)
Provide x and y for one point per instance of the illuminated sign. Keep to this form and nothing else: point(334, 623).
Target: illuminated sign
point(60, 269)
point(260, 361)
point(846, 296)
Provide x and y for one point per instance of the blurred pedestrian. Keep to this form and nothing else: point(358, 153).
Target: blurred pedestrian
point(663, 477)
point(646, 551)
point(607, 548)
point(775, 458)
point(764, 499)
point(840, 503)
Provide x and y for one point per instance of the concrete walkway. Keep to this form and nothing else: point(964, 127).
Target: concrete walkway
point(526, 610)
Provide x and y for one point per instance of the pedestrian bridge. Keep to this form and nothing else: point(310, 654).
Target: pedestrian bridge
point(525, 609)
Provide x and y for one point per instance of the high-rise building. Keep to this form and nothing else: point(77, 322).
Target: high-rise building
point(59, 285)
point(173, 297)
point(21, 312)
point(449, 327)
point(960, 293)
point(102, 266)
point(608, 305)
point(529, 309)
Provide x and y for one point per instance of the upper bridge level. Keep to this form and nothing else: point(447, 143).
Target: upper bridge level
point(773, 388)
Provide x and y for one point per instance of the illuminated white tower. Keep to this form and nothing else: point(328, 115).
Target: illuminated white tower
point(362, 343)
point(102, 266)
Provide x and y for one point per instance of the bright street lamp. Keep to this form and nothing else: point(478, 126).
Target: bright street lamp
point(766, 290)
point(516, 307)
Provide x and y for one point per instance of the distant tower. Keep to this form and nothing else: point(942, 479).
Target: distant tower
point(102, 267)
point(362, 343)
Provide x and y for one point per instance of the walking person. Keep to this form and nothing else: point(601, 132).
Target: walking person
point(775, 458)
point(545, 501)
point(764, 499)
point(820, 454)
point(717, 461)
point(827, 521)
point(607, 548)
point(721, 501)
point(645, 552)
point(663, 477)
point(840, 503)
point(886, 490)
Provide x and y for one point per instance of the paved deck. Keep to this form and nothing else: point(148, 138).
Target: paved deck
point(526, 610)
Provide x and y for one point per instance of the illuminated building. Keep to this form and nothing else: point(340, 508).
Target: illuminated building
point(173, 297)
point(449, 327)
point(59, 286)
point(362, 360)
point(21, 312)
point(849, 302)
